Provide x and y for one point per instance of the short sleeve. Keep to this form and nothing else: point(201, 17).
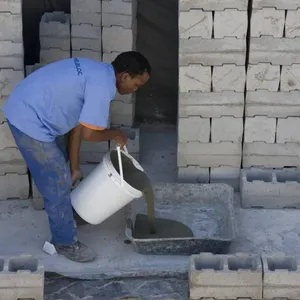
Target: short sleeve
point(95, 110)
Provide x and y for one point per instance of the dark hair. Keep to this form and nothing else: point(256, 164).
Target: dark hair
point(131, 62)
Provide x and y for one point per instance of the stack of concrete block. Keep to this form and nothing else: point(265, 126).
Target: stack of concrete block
point(91, 152)
point(55, 40)
point(212, 57)
point(86, 29)
point(13, 171)
point(119, 34)
point(21, 277)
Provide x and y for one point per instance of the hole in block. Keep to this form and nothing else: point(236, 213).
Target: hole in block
point(23, 264)
point(282, 263)
point(242, 263)
point(1, 264)
point(285, 176)
point(209, 263)
point(265, 176)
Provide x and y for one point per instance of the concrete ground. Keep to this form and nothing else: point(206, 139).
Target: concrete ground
point(260, 231)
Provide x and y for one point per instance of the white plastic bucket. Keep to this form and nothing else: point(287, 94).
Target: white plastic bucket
point(104, 191)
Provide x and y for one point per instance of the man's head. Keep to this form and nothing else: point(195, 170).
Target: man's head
point(132, 71)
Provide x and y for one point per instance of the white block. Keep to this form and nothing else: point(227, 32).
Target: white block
point(212, 5)
point(194, 78)
point(193, 174)
point(279, 4)
point(13, 6)
point(79, 44)
point(79, 18)
point(109, 57)
point(2, 102)
point(55, 24)
point(117, 39)
point(58, 43)
point(11, 27)
point(125, 21)
point(290, 78)
point(86, 31)
point(51, 55)
point(267, 21)
point(122, 113)
point(227, 129)
point(193, 129)
point(11, 161)
point(8, 80)
point(195, 23)
point(14, 186)
point(292, 23)
point(260, 129)
point(118, 7)
point(229, 78)
point(263, 76)
point(288, 130)
point(230, 23)
point(226, 175)
point(11, 55)
point(91, 6)
point(87, 54)
point(6, 137)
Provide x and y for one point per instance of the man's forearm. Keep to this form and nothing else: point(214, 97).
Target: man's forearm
point(74, 146)
point(99, 136)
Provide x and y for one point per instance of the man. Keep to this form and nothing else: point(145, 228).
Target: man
point(71, 95)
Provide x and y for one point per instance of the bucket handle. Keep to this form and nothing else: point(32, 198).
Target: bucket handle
point(120, 162)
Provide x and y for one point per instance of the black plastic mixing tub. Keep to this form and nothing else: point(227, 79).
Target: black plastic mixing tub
point(206, 208)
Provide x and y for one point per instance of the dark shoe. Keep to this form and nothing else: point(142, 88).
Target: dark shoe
point(78, 252)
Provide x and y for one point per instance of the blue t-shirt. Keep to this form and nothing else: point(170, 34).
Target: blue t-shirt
point(56, 98)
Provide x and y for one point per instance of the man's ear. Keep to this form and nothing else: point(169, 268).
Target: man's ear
point(125, 76)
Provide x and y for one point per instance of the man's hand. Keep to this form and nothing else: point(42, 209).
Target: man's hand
point(76, 176)
point(120, 138)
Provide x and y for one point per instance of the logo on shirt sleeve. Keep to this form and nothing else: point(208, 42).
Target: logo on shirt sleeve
point(78, 67)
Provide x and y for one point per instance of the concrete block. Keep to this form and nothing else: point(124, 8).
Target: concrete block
point(226, 175)
point(11, 55)
point(277, 51)
point(272, 104)
point(193, 129)
point(79, 18)
point(13, 6)
point(122, 113)
point(129, 98)
point(194, 78)
point(48, 56)
point(86, 31)
point(117, 39)
point(21, 277)
point(11, 27)
point(94, 147)
point(91, 157)
point(229, 78)
point(110, 56)
point(209, 155)
point(261, 154)
point(263, 76)
point(267, 21)
point(292, 23)
point(11, 161)
point(225, 276)
point(119, 7)
point(91, 6)
point(95, 55)
point(79, 44)
point(6, 137)
point(279, 4)
point(288, 130)
point(281, 276)
point(125, 21)
point(58, 43)
point(290, 78)
point(260, 129)
point(211, 105)
point(193, 174)
point(32, 68)
point(2, 102)
point(212, 52)
point(215, 5)
point(133, 141)
point(227, 129)
point(230, 23)
point(8, 80)
point(55, 24)
point(14, 186)
point(195, 23)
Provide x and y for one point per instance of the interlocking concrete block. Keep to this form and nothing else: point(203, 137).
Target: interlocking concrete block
point(122, 113)
point(8, 80)
point(21, 277)
point(292, 23)
point(32, 68)
point(277, 51)
point(86, 31)
point(212, 5)
point(119, 7)
point(48, 56)
point(227, 129)
point(281, 276)
point(211, 105)
point(11, 161)
point(272, 104)
point(194, 78)
point(80, 44)
point(290, 78)
point(2, 102)
point(11, 27)
point(13, 6)
point(193, 129)
point(6, 137)
point(79, 18)
point(95, 55)
point(230, 23)
point(110, 56)
point(288, 130)
point(117, 39)
point(261, 154)
point(225, 276)
point(260, 129)
point(14, 186)
point(267, 21)
point(263, 76)
point(133, 139)
point(193, 174)
point(125, 21)
point(11, 55)
point(58, 43)
point(195, 23)
point(209, 155)
point(91, 6)
point(229, 78)
point(279, 4)
point(212, 52)
point(55, 24)
point(129, 98)
point(226, 175)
